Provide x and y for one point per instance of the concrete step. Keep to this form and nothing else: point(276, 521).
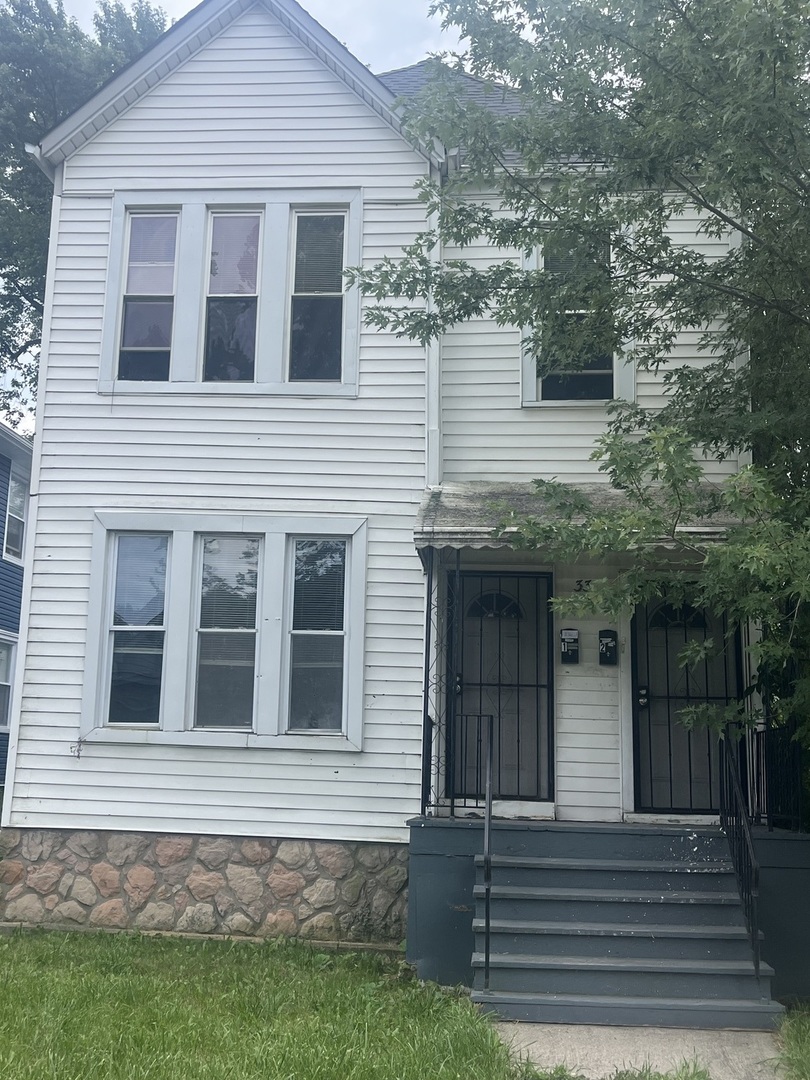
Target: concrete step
point(649, 977)
point(610, 905)
point(709, 875)
point(536, 937)
point(699, 1012)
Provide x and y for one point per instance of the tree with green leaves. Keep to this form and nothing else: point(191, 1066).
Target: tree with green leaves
point(48, 67)
point(630, 115)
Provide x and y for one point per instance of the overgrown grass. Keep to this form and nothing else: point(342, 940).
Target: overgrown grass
point(120, 1007)
point(795, 1052)
point(116, 1007)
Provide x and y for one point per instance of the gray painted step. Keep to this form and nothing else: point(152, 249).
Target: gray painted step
point(763, 1015)
point(595, 840)
point(541, 938)
point(611, 905)
point(647, 874)
point(640, 976)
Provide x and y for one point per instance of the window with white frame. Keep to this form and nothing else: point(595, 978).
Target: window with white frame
point(148, 305)
point(270, 313)
point(6, 669)
point(232, 301)
point(16, 507)
point(217, 630)
point(576, 332)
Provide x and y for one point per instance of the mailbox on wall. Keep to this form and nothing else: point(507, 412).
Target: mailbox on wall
point(608, 648)
point(569, 646)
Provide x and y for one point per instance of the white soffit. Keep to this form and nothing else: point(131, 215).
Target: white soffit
point(188, 36)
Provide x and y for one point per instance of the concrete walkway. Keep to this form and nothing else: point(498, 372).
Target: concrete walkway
point(597, 1052)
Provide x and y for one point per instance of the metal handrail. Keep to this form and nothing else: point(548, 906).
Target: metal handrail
point(736, 825)
point(488, 846)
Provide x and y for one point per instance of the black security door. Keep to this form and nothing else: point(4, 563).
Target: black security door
point(502, 668)
point(677, 770)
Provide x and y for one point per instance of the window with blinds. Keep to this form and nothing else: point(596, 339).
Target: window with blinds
point(316, 311)
point(148, 311)
point(317, 635)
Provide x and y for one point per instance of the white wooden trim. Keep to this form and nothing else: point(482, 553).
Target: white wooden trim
point(180, 624)
point(626, 691)
point(195, 207)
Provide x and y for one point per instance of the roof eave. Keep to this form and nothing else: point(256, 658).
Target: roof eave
point(187, 37)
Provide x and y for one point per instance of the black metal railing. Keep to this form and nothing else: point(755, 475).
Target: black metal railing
point(777, 763)
point(490, 743)
point(734, 818)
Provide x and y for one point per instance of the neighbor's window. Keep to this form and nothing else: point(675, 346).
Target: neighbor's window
point(6, 655)
point(317, 635)
point(574, 335)
point(15, 517)
point(137, 631)
point(316, 315)
point(232, 302)
point(146, 324)
point(226, 634)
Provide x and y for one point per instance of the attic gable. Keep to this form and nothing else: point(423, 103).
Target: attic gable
point(185, 39)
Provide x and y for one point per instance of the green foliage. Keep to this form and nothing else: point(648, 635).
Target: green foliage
point(794, 1059)
point(48, 67)
point(121, 1007)
point(629, 121)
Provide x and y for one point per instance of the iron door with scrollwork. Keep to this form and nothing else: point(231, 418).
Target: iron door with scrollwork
point(502, 669)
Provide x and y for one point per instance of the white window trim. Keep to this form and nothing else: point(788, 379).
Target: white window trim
point(177, 695)
point(7, 638)
point(278, 208)
point(624, 374)
point(17, 474)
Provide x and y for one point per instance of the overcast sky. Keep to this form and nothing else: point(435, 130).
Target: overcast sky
point(384, 34)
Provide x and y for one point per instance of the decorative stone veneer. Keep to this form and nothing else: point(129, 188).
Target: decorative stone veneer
point(327, 891)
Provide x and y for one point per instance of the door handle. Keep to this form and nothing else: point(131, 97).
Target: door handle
point(643, 697)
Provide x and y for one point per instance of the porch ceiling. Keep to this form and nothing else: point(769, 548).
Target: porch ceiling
point(471, 515)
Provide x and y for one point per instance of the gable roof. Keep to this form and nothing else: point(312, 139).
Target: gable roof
point(188, 36)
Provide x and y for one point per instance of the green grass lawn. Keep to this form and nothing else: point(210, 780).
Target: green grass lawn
point(795, 1036)
point(120, 1007)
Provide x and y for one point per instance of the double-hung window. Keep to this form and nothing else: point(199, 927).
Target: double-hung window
point(148, 304)
point(222, 294)
point(217, 629)
point(575, 359)
point(16, 510)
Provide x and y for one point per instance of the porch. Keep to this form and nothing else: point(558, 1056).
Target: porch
point(568, 862)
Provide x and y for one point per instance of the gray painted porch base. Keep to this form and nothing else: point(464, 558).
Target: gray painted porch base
point(583, 933)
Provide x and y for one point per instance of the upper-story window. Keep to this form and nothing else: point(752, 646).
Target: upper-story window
point(16, 508)
point(233, 295)
point(578, 333)
point(148, 307)
point(268, 314)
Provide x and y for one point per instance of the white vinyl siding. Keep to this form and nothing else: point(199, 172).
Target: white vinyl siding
point(253, 110)
point(589, 706)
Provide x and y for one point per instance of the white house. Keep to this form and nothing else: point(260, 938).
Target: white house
point(266, 614)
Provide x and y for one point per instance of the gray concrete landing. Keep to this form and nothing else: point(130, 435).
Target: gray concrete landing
point(597, 1052)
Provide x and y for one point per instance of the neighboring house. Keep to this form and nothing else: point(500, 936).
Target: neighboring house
point(15, 478)
point(269, 612)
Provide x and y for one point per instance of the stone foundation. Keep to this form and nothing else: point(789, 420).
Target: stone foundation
point(327, 891)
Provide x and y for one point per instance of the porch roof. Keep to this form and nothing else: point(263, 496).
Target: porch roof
point(471, 515)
